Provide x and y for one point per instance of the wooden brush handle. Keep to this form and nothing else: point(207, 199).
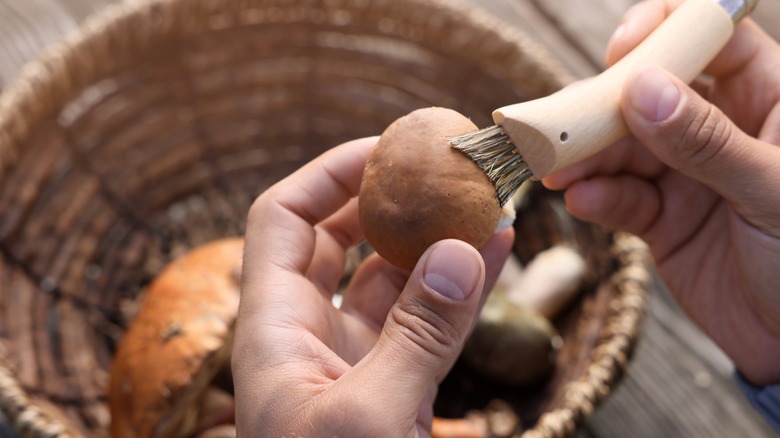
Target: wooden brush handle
point(577, 122)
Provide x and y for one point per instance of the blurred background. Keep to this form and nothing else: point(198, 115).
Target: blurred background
point(679, 383)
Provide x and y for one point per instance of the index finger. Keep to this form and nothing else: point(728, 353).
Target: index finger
point(744, 48)
point(280, 233)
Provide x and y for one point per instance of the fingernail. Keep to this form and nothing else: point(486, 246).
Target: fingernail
point(452, 269)
point(653, 95)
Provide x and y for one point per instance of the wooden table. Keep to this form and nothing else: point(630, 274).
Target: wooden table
point(679, 383)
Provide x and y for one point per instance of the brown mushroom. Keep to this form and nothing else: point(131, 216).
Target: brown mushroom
point(511, 344)
point(176, 344)
point(417, 190)
point(514, 340)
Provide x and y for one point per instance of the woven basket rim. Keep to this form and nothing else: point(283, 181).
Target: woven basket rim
point(45, 84)
point(618, 339)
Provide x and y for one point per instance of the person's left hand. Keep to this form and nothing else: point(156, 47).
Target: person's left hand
point(301, 367)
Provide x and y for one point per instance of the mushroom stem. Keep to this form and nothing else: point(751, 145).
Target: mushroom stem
point(468, 427)
point(550, 281)
point(226, 431)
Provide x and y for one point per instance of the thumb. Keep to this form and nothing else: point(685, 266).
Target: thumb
point(425, 330)
point(690, 134)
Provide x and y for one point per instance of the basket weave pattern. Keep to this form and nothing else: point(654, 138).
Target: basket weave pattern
point(153, 128)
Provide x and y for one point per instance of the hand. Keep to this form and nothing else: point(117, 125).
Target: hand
point(700, 182)
point(304, 368)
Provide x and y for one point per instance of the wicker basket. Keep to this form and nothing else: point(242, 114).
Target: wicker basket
point(153, 128)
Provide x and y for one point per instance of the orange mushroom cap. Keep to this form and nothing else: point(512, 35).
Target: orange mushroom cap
point(177, 342)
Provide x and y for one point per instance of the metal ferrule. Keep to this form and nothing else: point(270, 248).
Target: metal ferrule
point(738, 8)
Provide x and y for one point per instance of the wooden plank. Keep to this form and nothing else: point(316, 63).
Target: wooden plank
point(534, 22)
point(585, 24)
point(679, 384)
point(588, 24)
point(80, 9)
point(27, 27)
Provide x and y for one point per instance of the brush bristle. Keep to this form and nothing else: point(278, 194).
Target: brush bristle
point(493, 151)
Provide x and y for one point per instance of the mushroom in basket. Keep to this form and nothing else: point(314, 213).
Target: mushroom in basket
point(514, 340)
point(179, 344)
point(175, 347)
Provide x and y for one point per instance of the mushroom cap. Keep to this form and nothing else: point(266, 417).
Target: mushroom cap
point(417, 190)
point(177, 342)
point(511, 344)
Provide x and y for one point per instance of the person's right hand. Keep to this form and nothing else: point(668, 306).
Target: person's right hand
point(700, 182)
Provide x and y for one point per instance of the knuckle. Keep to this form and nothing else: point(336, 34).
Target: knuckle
point(262, 208)
point(704, 137)
point(257, 209)
point(425, 329)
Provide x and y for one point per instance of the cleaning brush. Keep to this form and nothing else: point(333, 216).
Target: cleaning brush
point(538, 137)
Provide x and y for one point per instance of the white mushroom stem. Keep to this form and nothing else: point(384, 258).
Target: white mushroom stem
point(216, 408)
point(507, 217)
point(509, 210)
point(550, 281)
point(226, 431)
point(511, 274)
